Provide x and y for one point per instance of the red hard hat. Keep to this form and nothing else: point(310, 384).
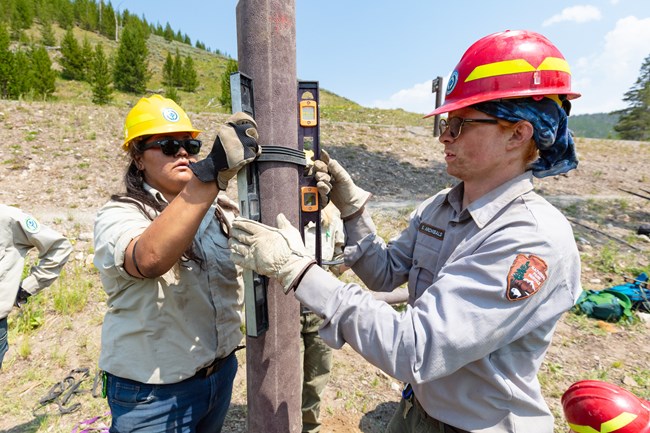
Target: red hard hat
point(593, 406)
point(510, 64)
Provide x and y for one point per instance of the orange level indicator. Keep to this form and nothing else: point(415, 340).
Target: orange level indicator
point(308, 113)
point(309, 199)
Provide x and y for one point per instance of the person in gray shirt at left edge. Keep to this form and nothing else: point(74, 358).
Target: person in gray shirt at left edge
point(19, 233)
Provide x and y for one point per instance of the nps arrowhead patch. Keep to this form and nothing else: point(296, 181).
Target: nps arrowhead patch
point(527, 274)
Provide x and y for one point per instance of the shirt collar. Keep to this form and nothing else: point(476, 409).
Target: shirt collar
point(486, 207)
point(154, 192)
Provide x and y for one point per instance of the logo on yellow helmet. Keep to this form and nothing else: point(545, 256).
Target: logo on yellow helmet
point(170, 115)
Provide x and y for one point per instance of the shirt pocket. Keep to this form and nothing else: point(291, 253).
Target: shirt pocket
point(425, 259)
point(218, 257)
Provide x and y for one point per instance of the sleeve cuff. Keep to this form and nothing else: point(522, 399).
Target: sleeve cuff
point(316, 288)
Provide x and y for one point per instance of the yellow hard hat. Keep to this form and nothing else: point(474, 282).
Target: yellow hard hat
point(155, 115)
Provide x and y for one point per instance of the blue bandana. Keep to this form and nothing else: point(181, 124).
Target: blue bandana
point(552, 135)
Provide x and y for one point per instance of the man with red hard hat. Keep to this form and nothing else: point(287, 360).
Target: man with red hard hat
point(596, 406)
point(490, 265)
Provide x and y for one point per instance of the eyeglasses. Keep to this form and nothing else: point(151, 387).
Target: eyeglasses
point(171, 146)
point(455, 125)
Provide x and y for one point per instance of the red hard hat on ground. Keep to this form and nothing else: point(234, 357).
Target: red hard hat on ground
point(593, 406)
point(510, 64)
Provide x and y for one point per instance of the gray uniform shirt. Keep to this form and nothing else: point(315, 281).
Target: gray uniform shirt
point(163, 330)
point(19, 233)
point(487, 285)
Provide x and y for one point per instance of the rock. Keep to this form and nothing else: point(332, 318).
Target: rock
point(629, 381)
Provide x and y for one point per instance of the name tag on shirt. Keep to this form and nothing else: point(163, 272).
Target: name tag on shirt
point(432, 231)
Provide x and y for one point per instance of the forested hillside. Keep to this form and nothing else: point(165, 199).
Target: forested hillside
point(599, 125)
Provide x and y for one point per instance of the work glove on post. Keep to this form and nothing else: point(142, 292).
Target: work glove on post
point(334, 182)
point(235, 146)
point(275, 252)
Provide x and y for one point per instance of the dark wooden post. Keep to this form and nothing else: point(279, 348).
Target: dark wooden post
point(266, 44)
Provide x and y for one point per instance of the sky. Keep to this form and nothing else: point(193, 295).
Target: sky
point(385, 53)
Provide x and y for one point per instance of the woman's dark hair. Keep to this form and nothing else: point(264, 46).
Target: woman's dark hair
point(136, 194)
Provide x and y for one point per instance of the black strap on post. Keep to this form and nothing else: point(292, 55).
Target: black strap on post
point(282, 154)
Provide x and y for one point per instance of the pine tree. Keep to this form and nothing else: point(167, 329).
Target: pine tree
point(131, 73)
point(6, 63)
point(6, 10)
point(24, 13)
point(45, 12)
point(101, 77)
point(21, 83)
point(72, 61)
point(634, 121)
point(521, 271)
point(177, 70)
point(44, 77)
point(48, 38)
point(86, 14)
point(225, 98)
point(107, 24)
point(168, 71)
point(168, 34)
point(190, 77)
point(65, 14)
point(15, 25)
point(87, 56)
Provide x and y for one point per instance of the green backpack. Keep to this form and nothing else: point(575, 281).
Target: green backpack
point(608, 305)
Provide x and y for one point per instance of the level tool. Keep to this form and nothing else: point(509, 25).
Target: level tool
point(248, 187)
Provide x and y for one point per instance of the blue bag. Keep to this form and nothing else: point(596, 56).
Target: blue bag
point(637, 290)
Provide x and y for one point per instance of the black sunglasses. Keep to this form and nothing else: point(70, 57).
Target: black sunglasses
point(455, 125)
point(171, 146)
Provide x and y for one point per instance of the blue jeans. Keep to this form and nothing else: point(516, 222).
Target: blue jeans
point(4, 346)
point(195, 405)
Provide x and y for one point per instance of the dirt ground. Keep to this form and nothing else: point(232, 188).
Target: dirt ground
point(61, 162)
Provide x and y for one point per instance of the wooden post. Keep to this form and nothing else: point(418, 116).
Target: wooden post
point(266, 43)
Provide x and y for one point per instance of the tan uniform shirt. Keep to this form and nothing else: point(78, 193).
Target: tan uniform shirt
point(19, 233)
point(163, 330)
point(487, 285)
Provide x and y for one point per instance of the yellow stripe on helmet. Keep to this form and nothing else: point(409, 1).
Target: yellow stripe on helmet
point(607, 427)
point(554, 64)
point(517, 66)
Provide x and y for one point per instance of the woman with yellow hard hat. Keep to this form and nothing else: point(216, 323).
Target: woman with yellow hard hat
point(174, 295)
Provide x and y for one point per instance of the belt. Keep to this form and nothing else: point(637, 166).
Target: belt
point(409, 395)
point(214, 367)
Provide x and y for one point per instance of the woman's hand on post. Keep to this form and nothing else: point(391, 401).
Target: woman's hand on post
point(235, 146)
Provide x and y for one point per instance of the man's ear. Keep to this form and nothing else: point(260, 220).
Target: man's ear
point(522, 133)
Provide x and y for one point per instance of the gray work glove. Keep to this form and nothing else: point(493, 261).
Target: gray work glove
point(275, 252)
point(334, 182)
point(235, 146)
